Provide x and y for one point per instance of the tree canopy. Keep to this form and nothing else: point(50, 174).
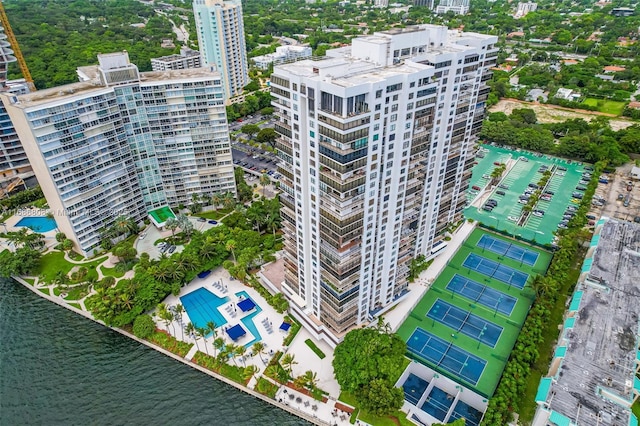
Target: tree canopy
point(367, 364)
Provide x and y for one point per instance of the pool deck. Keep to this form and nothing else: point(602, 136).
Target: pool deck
point(10, 226)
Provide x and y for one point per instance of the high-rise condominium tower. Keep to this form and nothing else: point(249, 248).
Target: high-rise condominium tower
point(14, 165)
point(376, 141)
point(123, 143)
point(221, 40)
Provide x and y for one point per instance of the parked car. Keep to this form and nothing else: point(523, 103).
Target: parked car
point(500, 193)
point(580, 188)
point(503, 186)
point(562, 168)
point(475, 188)
point(538, 213)
point(172, 249)
point(603, 180)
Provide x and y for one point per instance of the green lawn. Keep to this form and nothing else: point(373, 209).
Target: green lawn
point(214, 214)
point(604, 105)
point(53, 262)
point(113, 272)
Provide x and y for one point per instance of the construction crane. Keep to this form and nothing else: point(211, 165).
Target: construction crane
point(4, 20)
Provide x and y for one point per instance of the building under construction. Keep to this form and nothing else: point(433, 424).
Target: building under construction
point(15, 170)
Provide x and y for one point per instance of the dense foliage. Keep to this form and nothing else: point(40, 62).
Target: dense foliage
point(509, 393)
point(21, 198)
point(575, 139)
point(143, 326)
point(367, 364)
point(58, 36)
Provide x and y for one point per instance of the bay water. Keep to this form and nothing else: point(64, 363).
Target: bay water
point(58, 368)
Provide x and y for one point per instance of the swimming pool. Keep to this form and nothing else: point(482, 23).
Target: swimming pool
point(202, 306)
point(248, 320)
point(38, 224)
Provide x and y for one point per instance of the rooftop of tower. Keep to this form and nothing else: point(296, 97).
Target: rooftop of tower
point(93, 84)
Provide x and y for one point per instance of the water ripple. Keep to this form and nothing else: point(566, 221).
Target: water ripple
point(57, 368)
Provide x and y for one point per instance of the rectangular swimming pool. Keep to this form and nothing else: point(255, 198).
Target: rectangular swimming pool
point(202, 306)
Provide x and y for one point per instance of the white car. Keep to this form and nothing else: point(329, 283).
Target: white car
point(512, 218)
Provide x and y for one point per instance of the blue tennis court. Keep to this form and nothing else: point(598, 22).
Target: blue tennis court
point(465, 322)
point(504, 248)
point(446, 356)
point(496, 270)
point(482, 294)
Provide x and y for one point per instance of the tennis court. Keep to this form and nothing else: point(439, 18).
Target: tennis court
point(482, 294)
point(446, 356)
point(465, 322)
point(496, 270)
point(504, 248)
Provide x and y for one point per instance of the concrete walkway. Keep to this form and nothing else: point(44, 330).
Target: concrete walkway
point(422, 284)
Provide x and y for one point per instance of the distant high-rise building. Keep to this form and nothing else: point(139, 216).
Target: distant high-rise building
point(14, 164)
point(124, 143)
point(188, 58)
point(377, 148)
point(461, 7)
point(524, 8)
point(427, 3)
point(381, 3)
point(221, 39)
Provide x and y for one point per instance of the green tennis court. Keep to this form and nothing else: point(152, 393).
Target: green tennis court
point(514, 183)
point(476, 315)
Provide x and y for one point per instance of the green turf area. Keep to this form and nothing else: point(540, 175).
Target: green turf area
point(162, 214)
point(497, 356)
point(52, 263)
point(517, 179)
point(607, 106)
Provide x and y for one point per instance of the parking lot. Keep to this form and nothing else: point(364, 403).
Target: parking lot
point(621, 196)
point(256, 164)
point(502, 206)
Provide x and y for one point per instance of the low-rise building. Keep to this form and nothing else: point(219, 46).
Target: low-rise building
point(188, 58)
point(593, 377)
point(282, 54)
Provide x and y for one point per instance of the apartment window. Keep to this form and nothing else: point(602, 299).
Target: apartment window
point(378, 94)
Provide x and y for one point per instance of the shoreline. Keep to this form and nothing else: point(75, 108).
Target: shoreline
point(264, 398)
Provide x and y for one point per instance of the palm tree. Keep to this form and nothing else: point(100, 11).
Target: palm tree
point(264, 181)
point(231, 246)
point(230, 349)
point(172, 223)
point(191, 331)
point(288, 362)
point(217, 199)
point(249, 372)
point(229, 200)
point(178, 311)
point(124, 225)
point(310, 380)
point(240, 351)
point(165, 315)
point(258, 349)
point(218, 344)
point(201, 332)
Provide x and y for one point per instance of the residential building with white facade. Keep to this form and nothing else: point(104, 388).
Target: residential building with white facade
point(221, 41)
point(460, 7)
point(188, 58)
point(122, 142)
point(282, 54)
point(524, 8)
point(376, 142)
